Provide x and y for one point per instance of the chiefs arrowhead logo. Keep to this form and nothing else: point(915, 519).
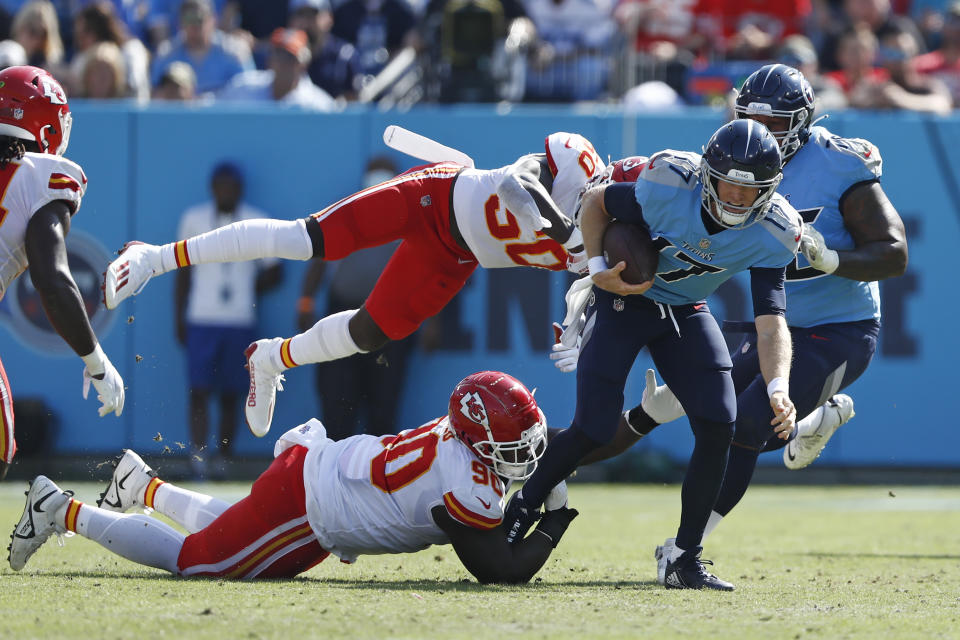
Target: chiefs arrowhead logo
point(471, 405)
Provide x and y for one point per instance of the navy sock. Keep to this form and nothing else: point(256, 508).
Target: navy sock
point(704, 477)
point(561, 458)
point(740, 466)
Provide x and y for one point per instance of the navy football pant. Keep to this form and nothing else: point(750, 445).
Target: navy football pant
point(688, 349)
point(826, 359)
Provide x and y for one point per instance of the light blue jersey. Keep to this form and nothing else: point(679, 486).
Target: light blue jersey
point(693, 263)
point(814, 181)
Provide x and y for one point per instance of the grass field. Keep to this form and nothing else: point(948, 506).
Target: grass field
point(865, 562)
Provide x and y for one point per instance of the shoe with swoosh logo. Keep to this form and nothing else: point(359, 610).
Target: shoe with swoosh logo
point(810, 440)
point(38, 522)
point(130, 478)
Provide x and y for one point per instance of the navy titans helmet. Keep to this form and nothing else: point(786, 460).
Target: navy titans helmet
point(779, 91)
point(743, 153)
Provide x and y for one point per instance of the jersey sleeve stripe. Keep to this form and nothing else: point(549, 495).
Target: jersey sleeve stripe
point(63, 181)
point(550, 160)
point(466, 516)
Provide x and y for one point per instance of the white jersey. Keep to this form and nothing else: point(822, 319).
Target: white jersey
point(500, 239)
point(374, 495)
point(26, 185)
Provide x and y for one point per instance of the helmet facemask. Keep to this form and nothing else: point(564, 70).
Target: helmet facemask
point(515, 460)
point(796, 134)
point(735, 216)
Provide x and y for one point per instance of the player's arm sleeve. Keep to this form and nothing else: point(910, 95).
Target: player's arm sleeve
point(766, 285)
point(488, 556)
point(620, 201)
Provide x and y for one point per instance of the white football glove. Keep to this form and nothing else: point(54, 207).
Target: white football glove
point(565, 356)
point(578, 262)
point(815, 250)
point(109, 385)
point(658, 401)
point(557, 498)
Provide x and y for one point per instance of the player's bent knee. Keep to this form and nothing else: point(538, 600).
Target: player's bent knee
point(365, 332)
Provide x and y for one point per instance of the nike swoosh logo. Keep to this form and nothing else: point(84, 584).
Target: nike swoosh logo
point(124, 479)
point(462, 261)
point(790, 453)
point(486, 505)
point(36, 505)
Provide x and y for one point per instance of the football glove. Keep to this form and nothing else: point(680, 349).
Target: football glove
point(518, 517)
point(107, 382)
point(577, 262)
point(814, 249)
point(565, 356)
point(554, 523)
point(658, 401)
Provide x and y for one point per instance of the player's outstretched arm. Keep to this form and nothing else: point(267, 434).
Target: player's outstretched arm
point(877, 230)
point(524, 193)
point(491, 559)
point(50, 273)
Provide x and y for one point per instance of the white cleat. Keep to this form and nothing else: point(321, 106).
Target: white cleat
point(810, 441)
point(129, 481)
point(265, 381)
point(662, 555)
point(38, 521)
point(128, 274)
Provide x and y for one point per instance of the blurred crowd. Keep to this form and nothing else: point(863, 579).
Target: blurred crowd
point(648, 54)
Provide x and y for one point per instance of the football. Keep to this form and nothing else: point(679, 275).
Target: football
point(632, 244)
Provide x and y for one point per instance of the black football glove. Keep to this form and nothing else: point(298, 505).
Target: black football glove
point(554, 523)
point(518, 517)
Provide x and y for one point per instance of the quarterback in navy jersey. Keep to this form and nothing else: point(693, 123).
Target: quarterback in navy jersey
point(711, 216)
point(852, 237)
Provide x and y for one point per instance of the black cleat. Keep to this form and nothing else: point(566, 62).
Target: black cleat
point(687, 572)
point(518, 517)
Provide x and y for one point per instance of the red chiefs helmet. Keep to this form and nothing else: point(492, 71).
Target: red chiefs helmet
point(33, 106)
point(497, 417)
point(627, 169)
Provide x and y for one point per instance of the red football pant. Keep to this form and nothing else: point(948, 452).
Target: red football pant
point(265, 535)
point(8, 446)
point(427, 269)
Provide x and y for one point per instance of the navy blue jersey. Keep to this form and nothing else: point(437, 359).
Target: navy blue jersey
point(694, 262)
point(814, 181)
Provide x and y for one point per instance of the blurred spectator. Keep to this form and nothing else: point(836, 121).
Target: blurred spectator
point(335, 62)
point(797, 51)
point(653, 95)
point(665, 39)
point(877, 16)
point(571, 58)
point(857, 76)
point(751, 29)
point(163, 16)
point(178, 83)
point(101, 73)
point(363, 390)
point(907, 88)
point(474, 50)
point(37, 29)
point(215, 57)
point(98, 23)
point(944, 63)
point(286, 80)
point(215, 306)
point(377, 28)
point(12, 54)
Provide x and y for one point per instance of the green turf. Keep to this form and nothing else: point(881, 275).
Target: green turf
point(874, 562)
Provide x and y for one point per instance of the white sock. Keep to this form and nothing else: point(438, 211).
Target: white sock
point(240, 241)
point(809, 423)
point(136, 537)
point(191, 510)
point(712, 523)
point(327, 340)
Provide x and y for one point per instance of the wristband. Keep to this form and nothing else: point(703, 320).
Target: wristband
point(778, 384)
point(597, 264)
point(305, 304)
point(96, 361)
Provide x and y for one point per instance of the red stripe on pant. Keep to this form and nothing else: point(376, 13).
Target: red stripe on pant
point(8, 445)
point(261, 536)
